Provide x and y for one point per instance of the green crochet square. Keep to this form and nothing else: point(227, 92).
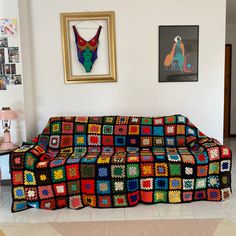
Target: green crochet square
point(120, 200)
point(175, 169)
point(56, 128)
point(132, 170)
point(30, 161)
point(118, 171)
point(160, 196)
point(200, 183)
point(87, 171)
point(170, 119)
point(58, 174)
point(109, 120)
point(214, 168)
point(73, 187)
point(107, 129)
point(146, 121)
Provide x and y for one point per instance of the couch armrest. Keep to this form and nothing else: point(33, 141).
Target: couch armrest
point(213, 147)
point(26, 156)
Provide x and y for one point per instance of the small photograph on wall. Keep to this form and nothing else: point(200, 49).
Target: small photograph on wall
point(13, 54)
point(178, 53)
point(13, 68)
point(3, 85)
point(7, 69)
point(3, 42)
point(17, 79)
point(8, 27)
point(9, 80)
point(2, 56)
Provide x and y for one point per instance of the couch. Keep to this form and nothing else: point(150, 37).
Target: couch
point(119, 161)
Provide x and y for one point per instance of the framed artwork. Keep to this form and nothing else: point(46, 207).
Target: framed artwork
point(88, 43)
point(178, 53)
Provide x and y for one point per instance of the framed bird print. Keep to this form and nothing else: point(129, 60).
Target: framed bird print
point(178, 53)
point(88, 42)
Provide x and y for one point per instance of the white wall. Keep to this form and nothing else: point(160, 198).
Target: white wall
point(231, 39)
point(13, 96)
point(137, 91)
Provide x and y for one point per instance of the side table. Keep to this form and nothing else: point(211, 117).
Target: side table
point(2, 153)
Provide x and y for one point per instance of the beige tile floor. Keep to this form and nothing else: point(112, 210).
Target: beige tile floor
point(193, 210)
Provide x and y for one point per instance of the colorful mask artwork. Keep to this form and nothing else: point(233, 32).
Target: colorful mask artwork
point(87, 50)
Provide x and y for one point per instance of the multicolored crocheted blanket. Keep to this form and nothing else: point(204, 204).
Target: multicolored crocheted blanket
point(119, 161)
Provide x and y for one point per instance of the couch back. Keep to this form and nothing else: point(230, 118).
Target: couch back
point(118, 131)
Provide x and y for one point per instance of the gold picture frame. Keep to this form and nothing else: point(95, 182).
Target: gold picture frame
point(103, 68)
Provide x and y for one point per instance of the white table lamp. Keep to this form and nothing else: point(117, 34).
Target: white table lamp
point(7, 115)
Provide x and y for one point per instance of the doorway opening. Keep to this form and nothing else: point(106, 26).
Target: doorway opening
point(227, 91)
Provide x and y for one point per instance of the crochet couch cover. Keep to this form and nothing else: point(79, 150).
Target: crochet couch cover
point(119, 161)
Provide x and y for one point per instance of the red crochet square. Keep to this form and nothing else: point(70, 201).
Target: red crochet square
point(66, 141)
point(104, 201)
point(202, 171)
point(67, 127)
point(134, 129)
point(146, 196)
point(133, 198)
point(225, 152)
point(158, 121)
point(146, 130)
point(170, 130)
point(107, 140)
point(61, 202)
point(213, 194)
point(81, 119)
point(187, 196)
point(94, 140)
point(147, 169)
point(80, 128)
point(120, 129)
point(49, 204)
point(72, 172)
point(17, 177)
point(88, 186)
point(60, 189)
point(214, 153)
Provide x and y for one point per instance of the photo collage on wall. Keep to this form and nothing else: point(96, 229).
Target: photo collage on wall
point(9, 54)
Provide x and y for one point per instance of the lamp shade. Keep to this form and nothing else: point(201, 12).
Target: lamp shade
point(8, 114)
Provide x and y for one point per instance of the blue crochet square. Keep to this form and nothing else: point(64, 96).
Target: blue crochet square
point(191, 131)
point(161, 183)
point(103, 187)
point(170, 141)
point(80, 140)
point(120, 141)
point(201, 158)
point(158, 131)
point(103, 172)
point(132, 185)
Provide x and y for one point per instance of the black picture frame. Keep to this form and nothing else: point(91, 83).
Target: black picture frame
point(178, 53)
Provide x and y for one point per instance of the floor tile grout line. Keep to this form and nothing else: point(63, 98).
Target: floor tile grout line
point(157, 211)
point(230, 216)
point(6, 200)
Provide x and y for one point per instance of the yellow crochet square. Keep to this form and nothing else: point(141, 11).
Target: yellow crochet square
point(174, 196)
